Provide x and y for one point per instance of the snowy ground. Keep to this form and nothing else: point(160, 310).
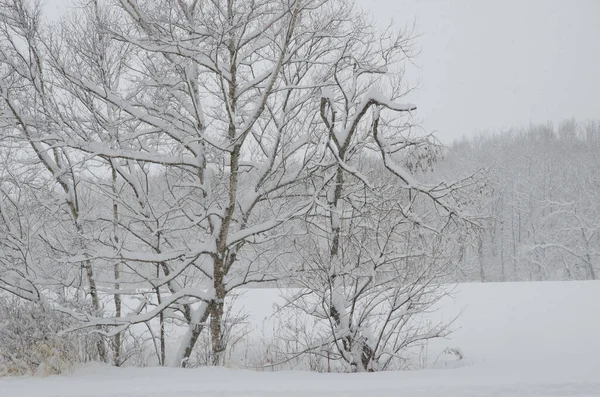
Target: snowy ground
point(518, 339)
point(471, 381)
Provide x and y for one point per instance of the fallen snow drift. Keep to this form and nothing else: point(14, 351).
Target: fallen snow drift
point(518, 339)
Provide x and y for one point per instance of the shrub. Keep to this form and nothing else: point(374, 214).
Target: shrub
point(31, 343)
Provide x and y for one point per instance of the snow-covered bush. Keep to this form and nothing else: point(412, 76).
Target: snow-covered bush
point(31, 342)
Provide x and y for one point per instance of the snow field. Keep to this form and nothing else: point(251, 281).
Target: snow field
point(517, 339)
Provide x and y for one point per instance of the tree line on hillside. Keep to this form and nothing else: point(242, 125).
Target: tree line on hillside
point(542, 204)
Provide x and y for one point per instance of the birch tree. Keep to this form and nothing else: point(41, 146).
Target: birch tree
point(201, 123)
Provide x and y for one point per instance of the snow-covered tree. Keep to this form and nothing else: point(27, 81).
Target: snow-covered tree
point(179, 141)
point(376, 248)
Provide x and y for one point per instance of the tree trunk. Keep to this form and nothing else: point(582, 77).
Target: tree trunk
point(117, 299)
point(161, 319)
point(481, 259)
point(216, 317)
point(196, 323)
point(96, 305)
point(117, 272)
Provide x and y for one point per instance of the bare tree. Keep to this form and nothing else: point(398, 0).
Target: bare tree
point(377, 249)
point(390, 271)
point(27, 95)
point(196, 129)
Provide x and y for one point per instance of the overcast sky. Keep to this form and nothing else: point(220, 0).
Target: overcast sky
point(490, 65)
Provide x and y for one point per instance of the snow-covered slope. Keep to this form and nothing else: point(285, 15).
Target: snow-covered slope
point(518, 339)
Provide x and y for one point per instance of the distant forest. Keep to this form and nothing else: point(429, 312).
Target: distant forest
point(541, 202)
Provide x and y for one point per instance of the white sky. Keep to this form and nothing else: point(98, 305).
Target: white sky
point(489, 65)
